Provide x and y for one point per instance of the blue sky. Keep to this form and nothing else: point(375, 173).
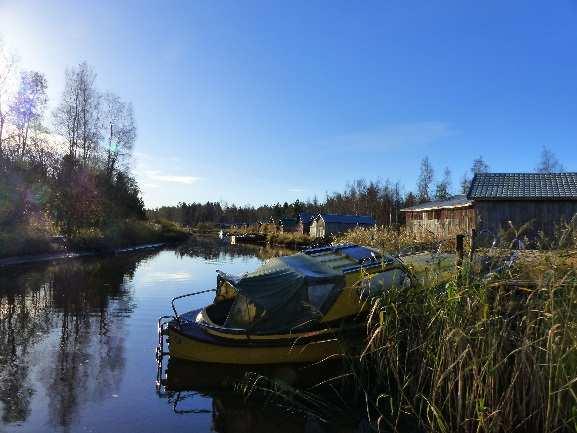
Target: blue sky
point(258, 102)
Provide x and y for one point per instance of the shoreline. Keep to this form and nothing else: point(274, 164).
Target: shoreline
point(58, 256)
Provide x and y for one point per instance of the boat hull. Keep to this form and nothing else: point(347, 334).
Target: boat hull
point(191, 342)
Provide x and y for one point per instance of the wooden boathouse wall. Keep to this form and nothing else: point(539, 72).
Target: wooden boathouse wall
point(441, 222)
point(546, 215)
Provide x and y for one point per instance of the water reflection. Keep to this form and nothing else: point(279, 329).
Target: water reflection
point(210, 249)
point(77, 344)
point(184, 382)
point(75, 313)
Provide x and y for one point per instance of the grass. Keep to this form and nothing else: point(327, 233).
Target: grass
point(490, 349)
point(396, 240)
point(289, 239)
point(273, 237)
point(475, 354)
point(34, 239)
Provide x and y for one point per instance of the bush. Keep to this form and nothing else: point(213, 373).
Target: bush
point(126, 233)
point(21, 240)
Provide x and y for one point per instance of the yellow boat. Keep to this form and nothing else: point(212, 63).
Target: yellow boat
point(290, 310)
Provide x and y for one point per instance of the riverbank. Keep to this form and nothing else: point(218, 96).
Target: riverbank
point(488, 350)
point(295, 241)
point(55, 257)
point(23, 243)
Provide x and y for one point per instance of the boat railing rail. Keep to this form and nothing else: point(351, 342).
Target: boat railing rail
point(163, 321)
point(200, 292)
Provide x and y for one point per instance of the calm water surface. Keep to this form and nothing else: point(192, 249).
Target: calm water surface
point(77, 344)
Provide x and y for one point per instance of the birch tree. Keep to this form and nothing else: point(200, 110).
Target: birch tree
point(425, 180)
point(77, 117)
point(548, 162)
point(120, 131)
point(8, 66)
point(443, 188)
point(27, 108)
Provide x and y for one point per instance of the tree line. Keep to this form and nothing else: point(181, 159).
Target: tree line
point(68, 169)
point(382, 200)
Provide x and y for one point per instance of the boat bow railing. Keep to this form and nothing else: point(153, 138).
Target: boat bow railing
point(163, 322)
point(200, 292)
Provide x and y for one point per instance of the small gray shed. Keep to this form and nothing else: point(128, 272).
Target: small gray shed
point(330, 224)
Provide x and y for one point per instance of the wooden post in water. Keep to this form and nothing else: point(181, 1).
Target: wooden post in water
point(460, 249)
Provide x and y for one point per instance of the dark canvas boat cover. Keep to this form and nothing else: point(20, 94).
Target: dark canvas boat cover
point(284, 294)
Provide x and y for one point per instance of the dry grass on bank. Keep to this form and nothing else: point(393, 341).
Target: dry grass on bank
point(490, 350)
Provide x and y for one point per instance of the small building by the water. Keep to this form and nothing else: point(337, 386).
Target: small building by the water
point(325, 225)
point(499, 201)
point(304, 221)
point(503, 199)
point(442, 218)
point(288, 225)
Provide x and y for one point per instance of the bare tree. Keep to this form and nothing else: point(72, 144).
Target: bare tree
point(465, 183)
point(27, 108)
point(443, 188)
point(77, 117)
point(8, 65)
point(425, 180)
point(479, 166)
point(118, 121)
point(548, 162)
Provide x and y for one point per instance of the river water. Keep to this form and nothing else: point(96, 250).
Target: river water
point(77, 344)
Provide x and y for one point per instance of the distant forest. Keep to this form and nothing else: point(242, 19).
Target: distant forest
point(381, 200)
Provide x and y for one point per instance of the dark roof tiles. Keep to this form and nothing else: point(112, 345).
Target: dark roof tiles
point(523, 186)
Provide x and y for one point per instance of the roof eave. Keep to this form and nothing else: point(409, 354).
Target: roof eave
point(409, 209)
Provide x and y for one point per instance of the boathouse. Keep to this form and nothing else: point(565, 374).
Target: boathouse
point(288, 225)
point(325, 225)
point(304, 221)
point(442, 218)
point(497, 201)
point(504, 199)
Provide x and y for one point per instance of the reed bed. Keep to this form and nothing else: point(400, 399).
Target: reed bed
point(489, 347)
point(397, 240)
point(492, 347)
point(475, 354)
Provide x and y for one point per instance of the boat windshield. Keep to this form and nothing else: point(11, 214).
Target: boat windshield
point(285, 293)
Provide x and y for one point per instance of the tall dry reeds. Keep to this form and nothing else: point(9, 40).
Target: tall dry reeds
point(397, 240)
point(474, 355)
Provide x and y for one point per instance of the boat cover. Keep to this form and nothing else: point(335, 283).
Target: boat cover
point(284, 294)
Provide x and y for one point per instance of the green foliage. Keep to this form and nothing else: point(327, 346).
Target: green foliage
point(81, 202)
point(126, 233)
point(21, 240)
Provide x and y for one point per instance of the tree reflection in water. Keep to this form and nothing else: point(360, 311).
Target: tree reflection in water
point(80, 306)
point(69, 330)
point(208, 249)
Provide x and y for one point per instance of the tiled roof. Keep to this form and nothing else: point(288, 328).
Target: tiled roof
point(453, 202)
point(523, 186)
point(347, 219)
